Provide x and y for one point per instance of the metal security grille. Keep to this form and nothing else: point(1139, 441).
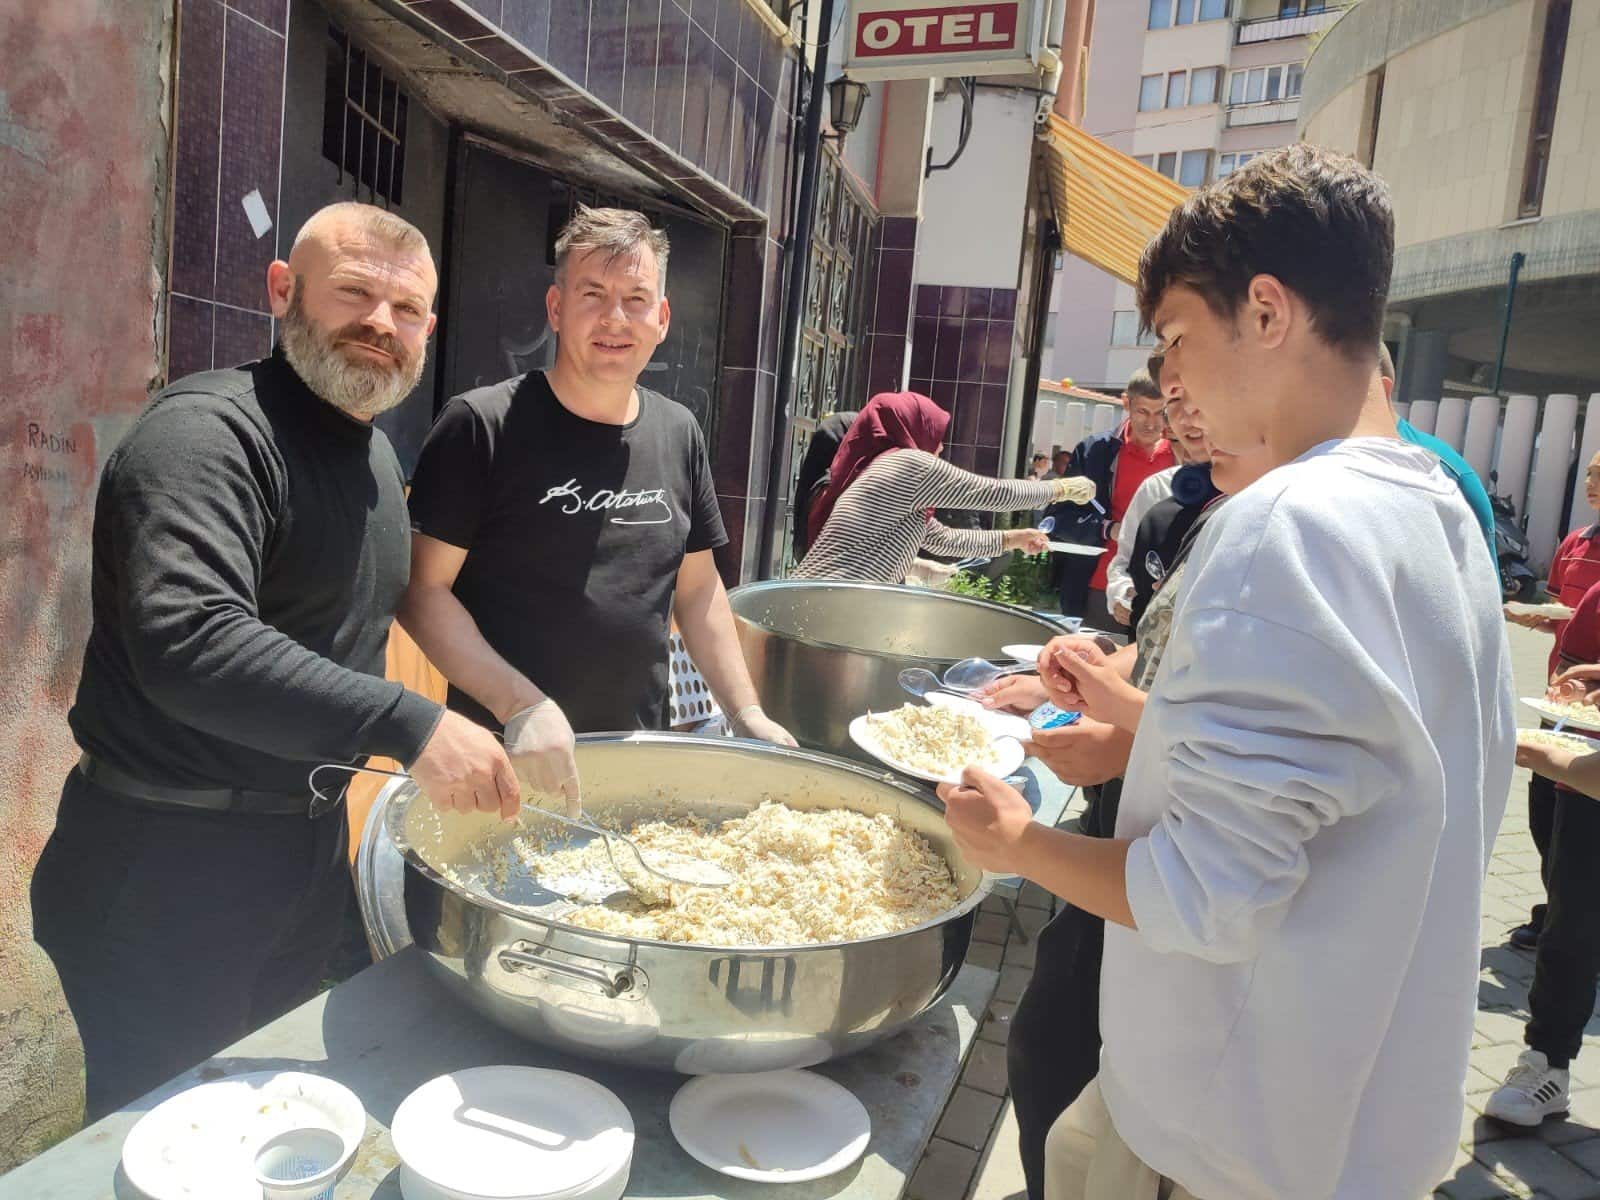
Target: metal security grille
point(364, 121)
point(832, 367)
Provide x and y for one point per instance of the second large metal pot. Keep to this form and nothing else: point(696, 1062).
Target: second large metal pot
point(503, 946)
point(822, 653)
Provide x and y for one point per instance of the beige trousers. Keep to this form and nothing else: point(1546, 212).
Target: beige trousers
point(1085, 1158)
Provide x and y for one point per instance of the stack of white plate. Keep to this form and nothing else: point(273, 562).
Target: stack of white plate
point(513, 1133)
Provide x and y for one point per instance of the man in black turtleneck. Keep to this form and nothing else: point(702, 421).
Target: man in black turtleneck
point(250, 545)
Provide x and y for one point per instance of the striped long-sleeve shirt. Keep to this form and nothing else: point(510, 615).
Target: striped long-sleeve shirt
point(879, 524)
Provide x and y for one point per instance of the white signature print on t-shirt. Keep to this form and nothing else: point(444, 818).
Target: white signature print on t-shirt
point(572, 500)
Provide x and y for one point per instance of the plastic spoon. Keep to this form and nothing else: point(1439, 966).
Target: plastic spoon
point(919, 681)
point(970, 674)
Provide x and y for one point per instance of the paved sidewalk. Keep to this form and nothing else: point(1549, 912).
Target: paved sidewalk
point(974, 1156)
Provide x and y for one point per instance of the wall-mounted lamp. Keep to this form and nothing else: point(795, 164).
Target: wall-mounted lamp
point(846, 99)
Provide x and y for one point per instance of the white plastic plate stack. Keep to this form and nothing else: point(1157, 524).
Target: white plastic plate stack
point(513, 1133)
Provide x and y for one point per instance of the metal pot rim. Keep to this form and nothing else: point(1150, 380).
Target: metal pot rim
point(776, 585)
point(409, 792)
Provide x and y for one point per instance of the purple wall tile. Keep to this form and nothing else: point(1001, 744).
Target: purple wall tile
point(274, 14)
point(744, 172)
point(747, 268)
point(992, 418)
point(769, 61)
point(730, 460)
point(927, 294)
point(924, 333)
point(731, 169)
point(717, 152)
point(997, 356)
point(947, 349)
point(608, 41)
point(189, 333)
point(252, 116)
point(923, 386)
point(194, 196)
point(961, 456)
point(240, 336)
point(490, 10)
point(761, 153)
point(704, 13)
point(974, 342)
point(986, 461)
point(644, 35)
point(943, 393)
point(672, 59)
point(730, 15)
point(969, 404)
point(529, 22)
point(886, 365)
point(895, 268)
point(900, 233)
point(761, 432)
point(978, 304)
point(569, 39)
point(772, 305)
point(1003, 304)
point(697, 95)
point(455, 19)
point(952, 302)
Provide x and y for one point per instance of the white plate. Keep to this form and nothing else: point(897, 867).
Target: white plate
point(201, 1144)
point(999, 724)
point(1023, 651)
point(1551, 612)
point(1569, 741)
point(777, 1127)
point(1550, 713)
point(1009, 750)
point(1074, 548)
point(513, 1132)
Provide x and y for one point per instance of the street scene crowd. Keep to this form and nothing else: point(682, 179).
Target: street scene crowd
point(1297, 729)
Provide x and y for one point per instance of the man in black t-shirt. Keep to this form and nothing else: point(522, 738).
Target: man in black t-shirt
point(562, 518)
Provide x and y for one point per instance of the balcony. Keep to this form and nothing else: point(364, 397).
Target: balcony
point(1271, 29)
point(1269, 112)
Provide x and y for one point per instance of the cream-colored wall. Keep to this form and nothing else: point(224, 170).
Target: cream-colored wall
point(1573, 184)
point(1453, 128)
point(1341, 122)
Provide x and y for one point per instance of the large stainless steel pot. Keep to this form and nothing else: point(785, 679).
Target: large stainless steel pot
point(822, 653)
point(503, 944)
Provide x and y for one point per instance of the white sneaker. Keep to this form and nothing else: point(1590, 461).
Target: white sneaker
point(1533, 1090)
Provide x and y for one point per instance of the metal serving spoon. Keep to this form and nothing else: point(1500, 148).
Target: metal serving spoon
point(688, 872)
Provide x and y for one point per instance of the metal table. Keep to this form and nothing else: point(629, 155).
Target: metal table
point(391, 1028)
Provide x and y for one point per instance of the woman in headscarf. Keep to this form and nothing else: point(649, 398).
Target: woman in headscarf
point(884, 484)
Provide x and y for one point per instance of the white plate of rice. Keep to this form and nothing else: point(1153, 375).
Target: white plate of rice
point(1550, 612)
point(1561, 741)
point(1578, 716)
point(935, 743)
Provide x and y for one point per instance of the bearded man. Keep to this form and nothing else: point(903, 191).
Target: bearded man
point(250, 545)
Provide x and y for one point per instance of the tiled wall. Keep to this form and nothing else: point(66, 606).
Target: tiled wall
point(229, 122)
point(961, 356)
point(890, 326)
point(671, 82)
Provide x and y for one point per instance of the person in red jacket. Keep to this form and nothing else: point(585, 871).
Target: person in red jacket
point(1573, 571)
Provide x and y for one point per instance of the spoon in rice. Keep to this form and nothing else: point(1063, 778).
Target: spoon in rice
point(639, 877)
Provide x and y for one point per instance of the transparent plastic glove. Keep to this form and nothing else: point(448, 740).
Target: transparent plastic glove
point(751, 722)
point(540, 742)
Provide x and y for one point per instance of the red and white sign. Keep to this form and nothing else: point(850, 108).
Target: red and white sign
point(904, 39)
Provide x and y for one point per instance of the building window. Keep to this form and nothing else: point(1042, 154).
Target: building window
point(1125, 329)
point(1265, 84)
point(1227, 164)
point(1150, 93)
point(1195, 167)
point(1300, 8)
point(1177, 88)
point(1552, 55)
point(1203, 85)
point(1145, 160)
point(363, 121)
point(1167, 164)
point(1164, 14)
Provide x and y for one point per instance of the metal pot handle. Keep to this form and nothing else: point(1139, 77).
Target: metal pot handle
point(615, 983)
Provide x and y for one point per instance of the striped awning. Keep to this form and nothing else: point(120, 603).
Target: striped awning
point(1109, 206)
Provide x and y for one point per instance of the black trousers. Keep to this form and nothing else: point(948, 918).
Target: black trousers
point(1053, 1049)
point(176, 931)
point(1567, 963)
point(1541, 816)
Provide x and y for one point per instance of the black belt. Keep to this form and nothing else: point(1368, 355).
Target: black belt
point(208, 799)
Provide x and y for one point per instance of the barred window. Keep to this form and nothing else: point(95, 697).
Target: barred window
point(364, 120)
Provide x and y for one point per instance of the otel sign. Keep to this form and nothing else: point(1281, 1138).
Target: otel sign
point(892, 39)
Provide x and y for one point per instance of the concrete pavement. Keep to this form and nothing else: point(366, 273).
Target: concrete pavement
point(974, 1157)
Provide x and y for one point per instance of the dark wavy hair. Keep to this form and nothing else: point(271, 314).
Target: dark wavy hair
point(1319, 222)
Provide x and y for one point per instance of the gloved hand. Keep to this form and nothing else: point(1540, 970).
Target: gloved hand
point(540, 742)
point(751, 722)
point(1079, 489)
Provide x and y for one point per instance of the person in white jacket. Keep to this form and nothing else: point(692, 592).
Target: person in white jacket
point(1293, 892)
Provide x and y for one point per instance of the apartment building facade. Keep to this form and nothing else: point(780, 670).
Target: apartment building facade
point(1193, 89)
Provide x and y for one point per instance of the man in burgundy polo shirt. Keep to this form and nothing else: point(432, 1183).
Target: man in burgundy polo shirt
point(1573, 571)
point(1567, 963)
